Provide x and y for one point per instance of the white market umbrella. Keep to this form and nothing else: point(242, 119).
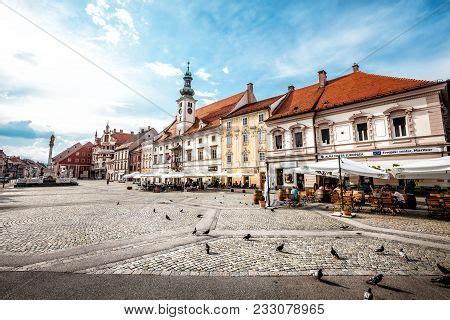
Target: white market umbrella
point(436, 168)
point(348, 168)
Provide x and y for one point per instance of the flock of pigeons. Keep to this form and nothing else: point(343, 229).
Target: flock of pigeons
point(318, 274)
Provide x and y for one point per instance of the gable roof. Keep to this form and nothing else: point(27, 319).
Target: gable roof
point(121, 137)
point(253, 107)
point(210, 115)
point(351, 88)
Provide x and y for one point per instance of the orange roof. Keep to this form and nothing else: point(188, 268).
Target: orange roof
point(354, 87)
point(121, 137)
point(209, 114)
point(253, 107)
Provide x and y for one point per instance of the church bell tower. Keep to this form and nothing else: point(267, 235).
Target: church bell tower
point(186, 104)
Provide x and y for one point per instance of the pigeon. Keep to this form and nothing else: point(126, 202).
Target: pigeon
point(280, 247)
point(368, 295)
point(167, 217)
point(199, 216)
point(215, 198)
point(221, 202)
point(380, 249)
point(445, 280)
point(154, 210)
point(403, 255)
point(195, 230)
point(318, 274)
point(170, 200)
point(246, 204)
point(272, 209)
point(334, 253)
point(118, 203)
point(344, 227)
point(206, 232)
point(247, 237)
point(181, 210)
point(443, 269)
point(240, 202)
point(375, 279)
point(207, 248)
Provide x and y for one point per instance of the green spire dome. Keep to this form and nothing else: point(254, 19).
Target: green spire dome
point(187, 90)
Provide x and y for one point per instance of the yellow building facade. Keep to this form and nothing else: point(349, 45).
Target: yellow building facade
point(244, 140)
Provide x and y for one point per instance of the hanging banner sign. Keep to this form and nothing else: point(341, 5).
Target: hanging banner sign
point(377, 153)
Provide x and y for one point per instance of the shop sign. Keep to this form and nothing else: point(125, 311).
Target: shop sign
point(213, 168)
point(376, 153)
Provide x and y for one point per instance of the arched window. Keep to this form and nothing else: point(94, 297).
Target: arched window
point(399, 120)
point(298, 135)
point(245, 157)
point(278, 138)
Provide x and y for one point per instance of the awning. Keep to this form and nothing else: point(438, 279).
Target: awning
point(173, 175)
point(153, 174)
point(131, 175)
point(436, 168)
point(348, 168)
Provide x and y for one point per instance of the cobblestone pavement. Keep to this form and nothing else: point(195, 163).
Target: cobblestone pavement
point(82, 229)
point(233, 257)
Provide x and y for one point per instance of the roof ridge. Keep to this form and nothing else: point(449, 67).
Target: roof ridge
point(397, 78)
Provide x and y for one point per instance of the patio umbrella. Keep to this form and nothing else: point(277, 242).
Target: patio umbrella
point(348, 168)
point(436, 168)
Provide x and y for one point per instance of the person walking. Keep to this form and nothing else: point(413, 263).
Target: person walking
point(294, 194)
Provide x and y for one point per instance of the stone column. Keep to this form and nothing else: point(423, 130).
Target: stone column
point(50, 151)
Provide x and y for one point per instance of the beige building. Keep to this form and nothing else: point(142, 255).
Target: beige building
point(378, 120)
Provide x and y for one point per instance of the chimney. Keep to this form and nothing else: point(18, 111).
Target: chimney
point(114, 130)
point(142, 130)
point(355, 67)
point(322, 78)
point(148, 128)
point(250, 95)
point(121, 131)
point(132, 132)
point(291, 88)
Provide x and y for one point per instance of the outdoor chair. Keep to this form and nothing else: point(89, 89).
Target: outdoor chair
point(376, 204)
point(348, 201)
point(434, 206)
point(446, 205)
point(358, 200)
point(388, 205)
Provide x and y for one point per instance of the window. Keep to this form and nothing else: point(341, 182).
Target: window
point(167, 147)
point(200, 140)
point(228, 124)
point(200, 154)
point(261, 117)
point(83, 154)
point(160, 160)
point(166, 157)
point(262, 156)
point(82, 161)
point(77, 160)
point(245, 138)
point(189, 142)
point(229, 140)
point(155, 159)
point(189, 155)
point(229, 158)
point(160, 148)
point(278, 142)
point(245, 157)
point(399, 127)
point(214, 153)
point(213, 138)
point(325, 134)
point(69, 160)
point(261, 135)
point(298, 139)
point(362, 131)
point(77, 154)
point(244, 121)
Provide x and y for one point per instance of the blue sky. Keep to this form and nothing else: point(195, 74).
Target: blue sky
point(46, 88)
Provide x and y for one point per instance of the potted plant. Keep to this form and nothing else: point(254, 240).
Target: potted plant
point(262, 202)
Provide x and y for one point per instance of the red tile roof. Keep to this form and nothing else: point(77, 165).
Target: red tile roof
point(209, 114)
point(253, 107)
point(121, 137)
point(354, 87)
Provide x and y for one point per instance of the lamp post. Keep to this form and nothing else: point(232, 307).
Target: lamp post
point(5, 164)
point(267, 184)
point(340, 182)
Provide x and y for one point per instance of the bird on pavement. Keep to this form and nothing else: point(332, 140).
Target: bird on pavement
point(380, 249)
point(375, 279)
point(334, 253)
point(195, 230)
point(368, 295)
point(118, 203)
point(199, 216)
point(154, 210)
point(318, 274)
point(403, 255)
point(207, 248)
point(443, 269)
point(181, 210)
point(170, 200)
point(246, 204)
point(344, 227)
point(247, 237)
point(272, 209)
point(280, 247)
point(167, 217)
point(445, 280)
point(206, 232)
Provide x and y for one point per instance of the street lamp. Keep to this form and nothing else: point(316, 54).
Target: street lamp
point(5, 164)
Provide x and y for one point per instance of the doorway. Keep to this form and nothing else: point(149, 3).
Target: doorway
point(279, 174)
point(300, 182)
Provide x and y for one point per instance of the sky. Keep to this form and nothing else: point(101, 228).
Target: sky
point(46, 88)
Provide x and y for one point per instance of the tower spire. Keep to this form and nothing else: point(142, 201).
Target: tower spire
point(187, 90)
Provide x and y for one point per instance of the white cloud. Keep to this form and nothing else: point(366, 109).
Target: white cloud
point(206, 93)
point(202, 74)
point(164, 69)
point(226, 70)
point(116, 23)
point(208, 101)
